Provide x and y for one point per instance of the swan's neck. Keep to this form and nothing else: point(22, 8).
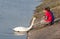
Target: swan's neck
point(32, 23)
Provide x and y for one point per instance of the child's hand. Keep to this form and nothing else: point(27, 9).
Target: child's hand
point(43, 17)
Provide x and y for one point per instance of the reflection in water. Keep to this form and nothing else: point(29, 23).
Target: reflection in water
point(20, 33)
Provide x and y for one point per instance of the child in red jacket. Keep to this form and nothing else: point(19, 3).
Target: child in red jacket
point(48, 18)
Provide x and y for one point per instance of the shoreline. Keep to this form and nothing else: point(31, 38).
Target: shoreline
point(48, 32)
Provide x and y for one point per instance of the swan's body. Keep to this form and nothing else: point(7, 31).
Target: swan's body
point(21, 29)
point(24, 28)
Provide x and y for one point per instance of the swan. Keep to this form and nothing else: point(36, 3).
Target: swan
point(19, 29)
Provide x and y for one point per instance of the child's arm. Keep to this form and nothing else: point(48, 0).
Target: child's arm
point(45, 17)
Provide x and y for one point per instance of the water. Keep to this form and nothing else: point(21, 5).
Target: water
point(15, 13)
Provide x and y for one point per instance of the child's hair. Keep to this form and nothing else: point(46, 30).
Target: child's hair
point(47, 8)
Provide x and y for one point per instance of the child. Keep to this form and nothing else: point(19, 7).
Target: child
point(48, 18)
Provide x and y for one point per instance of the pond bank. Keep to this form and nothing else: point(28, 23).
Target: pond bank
point(48, 32)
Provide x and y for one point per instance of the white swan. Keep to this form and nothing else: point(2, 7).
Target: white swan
point(19, 29)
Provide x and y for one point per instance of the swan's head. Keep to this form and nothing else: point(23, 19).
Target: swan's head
point(34, 18)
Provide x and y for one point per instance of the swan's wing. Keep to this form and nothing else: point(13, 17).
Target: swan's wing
point(20, 29)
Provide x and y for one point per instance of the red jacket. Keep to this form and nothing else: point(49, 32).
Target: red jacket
point(49, 16)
